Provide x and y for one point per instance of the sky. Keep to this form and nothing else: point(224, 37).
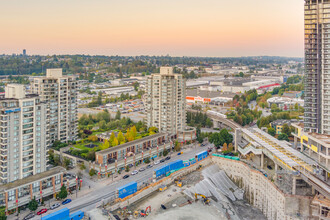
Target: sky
point(212, 28)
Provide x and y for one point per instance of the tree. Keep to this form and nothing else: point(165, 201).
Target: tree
point(105, 145)
point(133, 132)
point(208, 123)
point(112, 138)
point(165, 152)
point(102, 125)
point(92, 172)
point(114, 142)
point(121, 138)
point(286, 130)
point(283, 137)
point(93, 138)
point(224, 147)
point(118, 115)
point(82, 166)
point(296, 106)
point(177, 146)
point(230, 147)
point(271, 131)
point(33, 204)
point(63, 192)
point(152, 130)
point(66, 162)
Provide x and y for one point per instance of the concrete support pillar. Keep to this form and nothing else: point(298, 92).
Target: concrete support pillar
point(295, 142)
point(235, 140)
point(262, 161)
point(294, 182)
point(31, 192)
point(276, 167)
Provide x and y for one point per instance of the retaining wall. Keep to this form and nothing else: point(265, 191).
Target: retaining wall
point(263, 193)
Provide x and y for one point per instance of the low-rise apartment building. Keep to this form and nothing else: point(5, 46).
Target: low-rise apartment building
point(39, 186)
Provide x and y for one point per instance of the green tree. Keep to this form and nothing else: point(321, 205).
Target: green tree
point(114, 142)
point(66, 162)
point(118, 115)
point(92, 172)
point(127, 169)
point(121, 138)
point(177, 146)
point(33, 204)
point(283, 137)
point(112, 138)
point(286, 130)
point(271, 131)
point(296, 106)
point(165, 152)
point(63, 192)
point(105, 145)
point(82, 166)
point(152, 130)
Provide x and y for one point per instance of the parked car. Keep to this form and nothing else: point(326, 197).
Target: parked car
point(162, 160)
point(42, 211)
point(135, 172)
point(29, 216)
point(126, 176)
point(179, 153)
point(116, 217)
point(149, 166)
point(269, 167)
point(156, 162)
point(130, 165)
point(66, 201)
point(142, 169)
point(54, 206)
point(168, 158)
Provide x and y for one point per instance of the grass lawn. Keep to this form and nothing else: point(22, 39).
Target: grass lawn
point(83, 147)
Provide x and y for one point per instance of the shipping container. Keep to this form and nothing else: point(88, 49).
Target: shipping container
point(58, 215)
point(127, 190)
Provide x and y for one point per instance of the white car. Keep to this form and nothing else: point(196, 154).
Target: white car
point(156, 162)
point(135, 172)
point(54, 206)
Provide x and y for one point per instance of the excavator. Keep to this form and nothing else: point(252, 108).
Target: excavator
point(142, 213)
point(206, 201)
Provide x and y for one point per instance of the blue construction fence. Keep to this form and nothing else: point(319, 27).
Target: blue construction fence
point(174, 166)
point(127, 190)
point(64, 214)
point(162, 171)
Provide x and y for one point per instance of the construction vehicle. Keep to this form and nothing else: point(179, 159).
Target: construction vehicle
point(199, 167)
point(178, 182)
point(206, 201)
point(145, 213)
point(162, 188)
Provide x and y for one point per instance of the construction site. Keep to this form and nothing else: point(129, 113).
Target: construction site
point(269, 180)
point(197, 195)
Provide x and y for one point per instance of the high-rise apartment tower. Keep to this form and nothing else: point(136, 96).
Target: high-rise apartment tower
point(317, 65)
point(60, 94)
point(165, 101)
point(23, 135)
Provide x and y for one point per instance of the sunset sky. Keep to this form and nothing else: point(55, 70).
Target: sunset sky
point(153, 27)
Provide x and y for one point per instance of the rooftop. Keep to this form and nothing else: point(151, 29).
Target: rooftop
point(128, 144)
point(34, 178)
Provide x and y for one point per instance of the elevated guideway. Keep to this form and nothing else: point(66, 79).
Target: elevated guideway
point(283, 153)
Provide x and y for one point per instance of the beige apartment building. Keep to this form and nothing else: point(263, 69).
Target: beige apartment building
point(60, 94)
point(165, 101)
point(23, 136)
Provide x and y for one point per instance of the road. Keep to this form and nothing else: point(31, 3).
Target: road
point(90, 200)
